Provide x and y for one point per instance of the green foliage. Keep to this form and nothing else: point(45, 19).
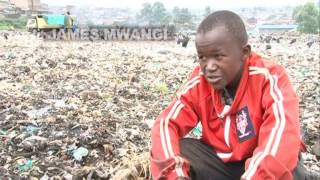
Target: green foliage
point(271, 17)
point(155, 13)
point(160, 13)
point(181, 16)
point(207, 11)
point(13, 23)
point(145, 12)
point(308, 18)
point(162, 88)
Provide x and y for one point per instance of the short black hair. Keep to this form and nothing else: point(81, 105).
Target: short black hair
point(230, 20)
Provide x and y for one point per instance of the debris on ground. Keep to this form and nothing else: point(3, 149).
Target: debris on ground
point(73, 110)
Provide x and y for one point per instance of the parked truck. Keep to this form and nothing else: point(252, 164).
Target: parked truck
point(46, 23)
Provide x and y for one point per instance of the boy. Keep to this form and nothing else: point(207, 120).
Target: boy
point(246, 106)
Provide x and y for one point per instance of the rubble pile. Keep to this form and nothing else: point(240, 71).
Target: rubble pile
point(73, 110)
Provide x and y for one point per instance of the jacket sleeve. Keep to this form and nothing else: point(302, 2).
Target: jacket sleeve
point(172, 125)
point(279, 142)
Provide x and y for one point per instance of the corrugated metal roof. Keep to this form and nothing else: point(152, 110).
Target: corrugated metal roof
point(278, 26)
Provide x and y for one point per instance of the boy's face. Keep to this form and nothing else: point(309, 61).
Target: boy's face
point(220, 57)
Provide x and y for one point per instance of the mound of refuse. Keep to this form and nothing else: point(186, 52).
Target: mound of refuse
point(81, 109)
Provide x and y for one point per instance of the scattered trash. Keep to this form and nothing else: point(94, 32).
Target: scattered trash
point(86, 109)
point(268, 46)
point(79, 153)
point(30, 130)
point(197, 131)
point(37, 113)
point(25, 166)
point(44, 177)
point(316, 148)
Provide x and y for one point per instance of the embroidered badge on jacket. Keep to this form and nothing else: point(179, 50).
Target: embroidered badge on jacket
point(244, 124)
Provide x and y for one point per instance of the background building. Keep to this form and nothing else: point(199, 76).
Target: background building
point(30, 6)
point(270, 28)
point(4, 5)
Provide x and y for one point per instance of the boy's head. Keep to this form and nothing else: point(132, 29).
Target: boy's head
point(221, 43)
point(231, 21)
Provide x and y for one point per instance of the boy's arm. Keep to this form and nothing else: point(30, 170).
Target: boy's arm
point(173, 124)
point(279, 136)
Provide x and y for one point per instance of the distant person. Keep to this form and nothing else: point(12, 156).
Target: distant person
point(68, 25)
point(183, 39)
point(246, 105)
point(179, 38)
point(268, 39)
point(309, 44)
point(293, 41)
point(6, 35)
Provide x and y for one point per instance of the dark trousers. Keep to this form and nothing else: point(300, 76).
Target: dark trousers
point(206, 165)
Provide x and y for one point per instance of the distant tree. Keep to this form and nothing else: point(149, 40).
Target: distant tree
point(271, 17)
point(145, 12)
point(185, 16)
point(181, 16)
point(308, 18)
point(160, 14)
point(155, 13)
point(207, 11)
point(176, 15)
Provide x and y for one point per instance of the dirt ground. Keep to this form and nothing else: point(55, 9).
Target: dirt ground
point(73, 110)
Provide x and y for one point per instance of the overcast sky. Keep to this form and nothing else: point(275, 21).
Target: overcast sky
point(215, 4)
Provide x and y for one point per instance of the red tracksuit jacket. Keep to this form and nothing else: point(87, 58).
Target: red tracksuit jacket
point(261, 126)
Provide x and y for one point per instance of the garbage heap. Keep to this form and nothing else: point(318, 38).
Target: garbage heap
point(82, 109)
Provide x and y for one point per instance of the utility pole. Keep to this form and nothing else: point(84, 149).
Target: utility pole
point(32, 6)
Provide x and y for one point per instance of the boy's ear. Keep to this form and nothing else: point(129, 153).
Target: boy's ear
point(246, 52)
